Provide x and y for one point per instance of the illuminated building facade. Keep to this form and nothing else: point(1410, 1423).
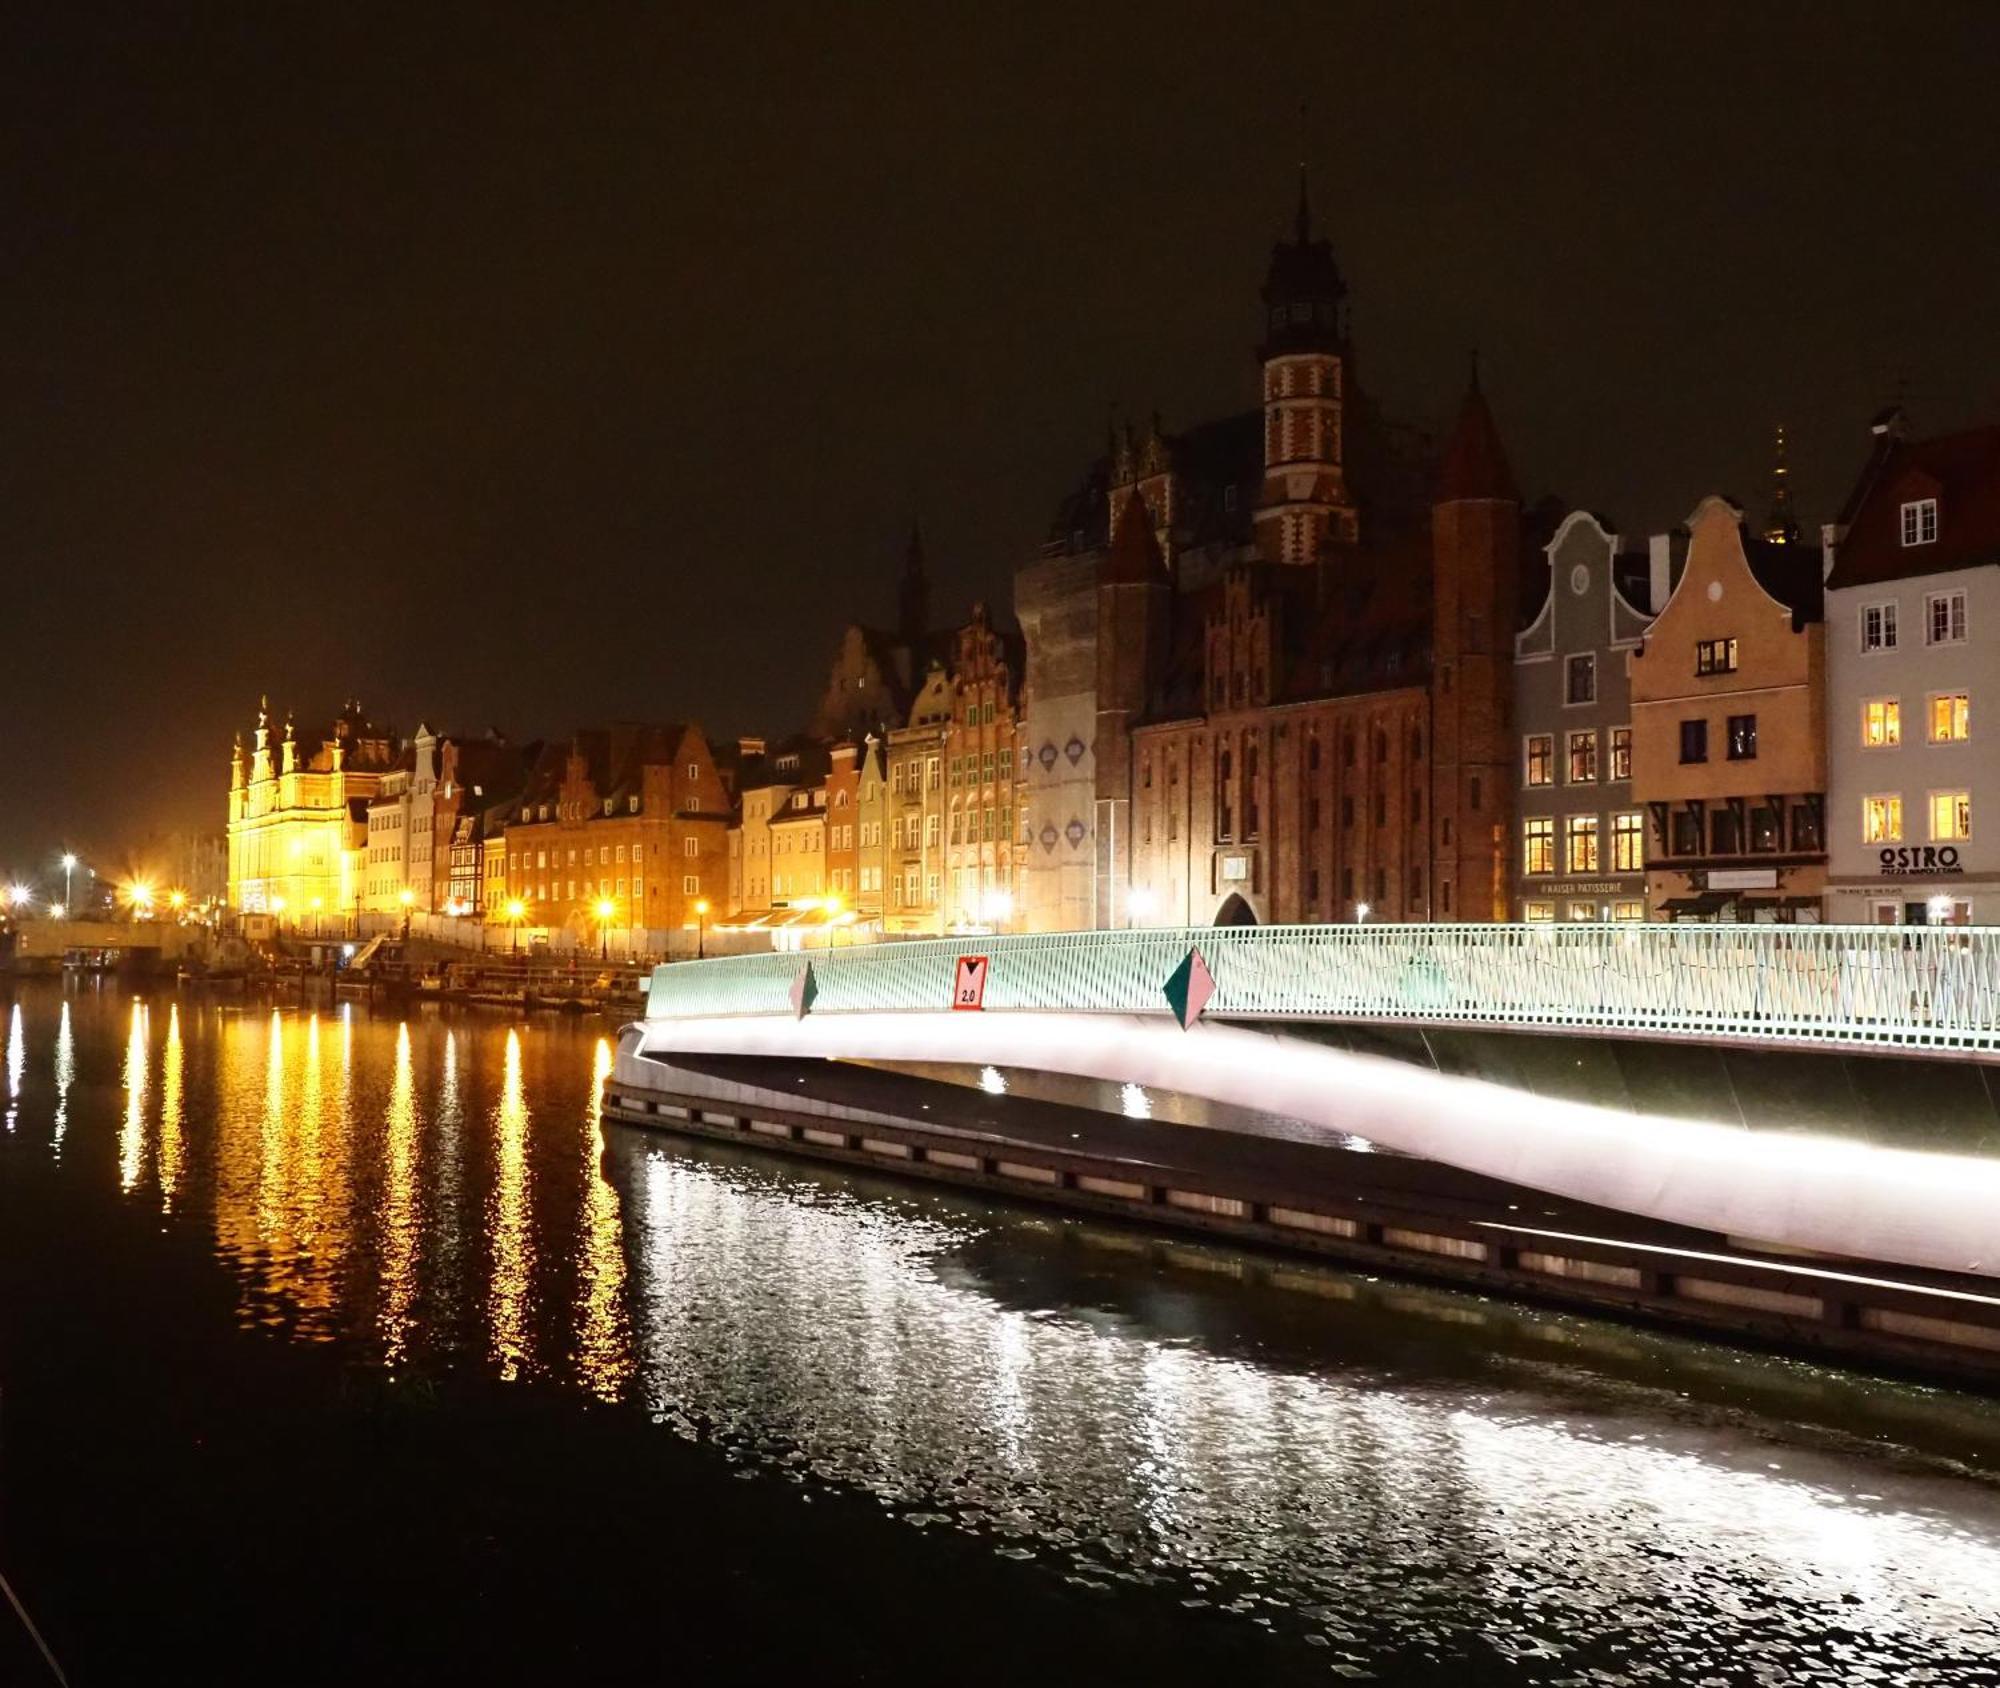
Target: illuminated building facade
point(634, 817)
point(1729, 730)
point(298, 817)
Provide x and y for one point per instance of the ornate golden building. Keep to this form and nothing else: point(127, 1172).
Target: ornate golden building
point(298, 817)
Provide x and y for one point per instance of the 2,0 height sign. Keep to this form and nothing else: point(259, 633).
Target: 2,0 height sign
point(968, 984)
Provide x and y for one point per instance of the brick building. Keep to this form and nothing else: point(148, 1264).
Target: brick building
point(1269, 663)
point(636, 816)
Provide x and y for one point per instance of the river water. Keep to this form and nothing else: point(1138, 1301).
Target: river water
point(339, 1347)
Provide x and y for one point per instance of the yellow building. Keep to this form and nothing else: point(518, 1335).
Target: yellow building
point(298, 818)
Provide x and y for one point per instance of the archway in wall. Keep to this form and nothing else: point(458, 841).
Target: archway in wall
point(1235, 911)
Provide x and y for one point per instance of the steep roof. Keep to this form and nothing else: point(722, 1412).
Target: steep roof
point(1134, 557)
point(1962, 472)
point(1475, 462)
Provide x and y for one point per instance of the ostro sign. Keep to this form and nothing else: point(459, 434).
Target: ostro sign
point(1921, 858)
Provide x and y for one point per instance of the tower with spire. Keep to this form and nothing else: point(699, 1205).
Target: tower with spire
point(1475, 574)
point(913, 591)
point(1782, 526)
point(1304, 503)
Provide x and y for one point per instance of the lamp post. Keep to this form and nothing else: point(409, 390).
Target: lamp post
point(69, 868)
point(701, 929)
point(1140, 905)
point(516, 912)
point(832, 907)
point(408, 898)
point(605, 910)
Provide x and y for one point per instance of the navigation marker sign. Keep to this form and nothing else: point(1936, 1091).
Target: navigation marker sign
point(968, 984)
point(804, 989)
point(1188, 988)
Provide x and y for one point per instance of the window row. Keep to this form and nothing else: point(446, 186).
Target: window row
point(1947, 719)
point(1580, 844)
point(1944, 622)
point(1539, 757)
point(1950, 817)
point(1739, 739)
point(518, 860)
point(1626, 909)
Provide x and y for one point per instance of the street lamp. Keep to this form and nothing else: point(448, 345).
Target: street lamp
point(317, 904)
point(516, 913)
point(20, 896)
point(701, 929)
point(408, 899)
point(832, 907)
point(606, 908)
point(1360, 913)
point(68, 867)
point(58, 910)
point(1141, 904)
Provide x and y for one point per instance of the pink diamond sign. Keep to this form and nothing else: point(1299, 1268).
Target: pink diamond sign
point(1188, 988)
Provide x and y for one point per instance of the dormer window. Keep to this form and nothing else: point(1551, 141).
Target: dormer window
point(1920, 521)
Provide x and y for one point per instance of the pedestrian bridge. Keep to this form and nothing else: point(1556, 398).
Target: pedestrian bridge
point(1916, 989)
point(1823, 1089)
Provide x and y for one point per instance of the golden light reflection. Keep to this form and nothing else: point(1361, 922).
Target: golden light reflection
point(271, 1142)
point(173, 1138)
point(513, 1244)
point(17, 1062)
point(399, 1205)
point(65, 1074)
point(604, 1348)
point(132, 1135)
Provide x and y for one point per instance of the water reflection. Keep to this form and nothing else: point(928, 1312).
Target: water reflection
point(513, 1248)
point(1389, 1472)
point(17, 1063)
point(603, 1349)
point(399, 1207)
point(132, 1139)
point(173, 1147)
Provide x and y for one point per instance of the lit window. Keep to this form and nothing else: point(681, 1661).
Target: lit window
point(1920, 521)
point(1715, 656)
point(1583, 911)
point(1634, 910)
point(1882, 820)
point(1951, 816)
point(1583, 758)
point(690, 884)
point(1628, 842)
point(1539, 840)
point(1878, 627)
point(1944, 618)
point(1951, 718)
point(1538, 911)
point(1882, 722)
point(1742, 738)
point(1621, 753)
point(1541, 759)
point(1581, 684)
point(1580, 844)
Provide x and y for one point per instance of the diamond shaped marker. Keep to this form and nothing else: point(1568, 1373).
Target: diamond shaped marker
point(1188, 988)
point(804, 989)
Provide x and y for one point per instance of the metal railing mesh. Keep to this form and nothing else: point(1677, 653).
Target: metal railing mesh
point(1908, 987)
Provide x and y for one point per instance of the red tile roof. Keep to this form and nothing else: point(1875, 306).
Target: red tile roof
point(1962, 472)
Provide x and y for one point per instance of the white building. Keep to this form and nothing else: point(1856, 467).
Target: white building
point(1913, 685)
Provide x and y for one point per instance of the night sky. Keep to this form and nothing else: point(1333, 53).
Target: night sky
point(594, 364)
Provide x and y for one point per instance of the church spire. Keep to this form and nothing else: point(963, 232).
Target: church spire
point(1305, 207)
point(1782, 528)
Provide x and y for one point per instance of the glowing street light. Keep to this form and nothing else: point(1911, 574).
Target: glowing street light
point(139, 895)
point(1360, 913)
point(832, 907)
point(20, 896)
point(517, 911)
point(606, 908)
point(68, 867)
point(701, 929)
point(1141, 904)
point(408, 898)
point(58, 910)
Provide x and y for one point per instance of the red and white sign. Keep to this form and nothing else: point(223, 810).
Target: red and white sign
point(968, 986)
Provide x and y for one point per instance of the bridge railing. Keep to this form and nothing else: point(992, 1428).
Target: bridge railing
point(1908, 987)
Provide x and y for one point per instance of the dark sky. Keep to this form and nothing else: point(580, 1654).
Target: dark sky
point(593, 364)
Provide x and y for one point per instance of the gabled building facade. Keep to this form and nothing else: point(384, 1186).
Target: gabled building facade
point(1580, 848)
point(1913, 684)
point(1729, 731)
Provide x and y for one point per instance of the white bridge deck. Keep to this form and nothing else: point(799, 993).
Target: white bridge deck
point(1916, 989)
